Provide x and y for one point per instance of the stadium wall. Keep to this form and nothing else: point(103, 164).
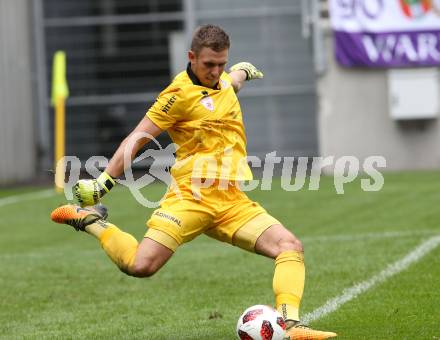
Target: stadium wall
point(354, 119)
point(17, 144)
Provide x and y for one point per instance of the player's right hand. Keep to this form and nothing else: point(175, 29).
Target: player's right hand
point(89, 192)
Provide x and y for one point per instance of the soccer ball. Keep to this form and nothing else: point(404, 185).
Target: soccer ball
point(260, 322)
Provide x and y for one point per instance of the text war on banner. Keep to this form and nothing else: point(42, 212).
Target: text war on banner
point(386, 33)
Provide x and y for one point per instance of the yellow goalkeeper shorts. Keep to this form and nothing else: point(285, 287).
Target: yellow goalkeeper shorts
point(224, 213)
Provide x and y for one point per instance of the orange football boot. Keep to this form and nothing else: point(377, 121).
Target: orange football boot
point(78, 217)
point(297, 331)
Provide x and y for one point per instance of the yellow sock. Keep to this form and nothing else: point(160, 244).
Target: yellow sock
point(288, 283)
point(97, 228)
point(121, 247)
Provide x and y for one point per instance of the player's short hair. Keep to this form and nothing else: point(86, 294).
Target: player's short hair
point(211, 36)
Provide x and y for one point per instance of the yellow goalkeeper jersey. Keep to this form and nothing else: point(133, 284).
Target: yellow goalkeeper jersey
point(206, 125)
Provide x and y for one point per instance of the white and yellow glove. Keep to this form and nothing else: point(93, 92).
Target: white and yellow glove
point(89, 192)
point(251, 71)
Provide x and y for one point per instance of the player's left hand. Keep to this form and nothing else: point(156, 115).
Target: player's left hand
point(251, 71)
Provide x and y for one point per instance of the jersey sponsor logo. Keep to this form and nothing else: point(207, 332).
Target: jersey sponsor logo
point(168, 217)
point(169, 104)
point(207, 102)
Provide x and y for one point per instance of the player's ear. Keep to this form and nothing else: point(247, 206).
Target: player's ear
point(191, 56)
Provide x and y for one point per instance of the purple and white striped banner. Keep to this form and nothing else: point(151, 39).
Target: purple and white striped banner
point(386, 33)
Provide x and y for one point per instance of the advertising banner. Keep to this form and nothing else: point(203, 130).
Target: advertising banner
point(386, 33)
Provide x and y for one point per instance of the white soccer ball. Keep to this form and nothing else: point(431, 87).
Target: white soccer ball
point(261, 322)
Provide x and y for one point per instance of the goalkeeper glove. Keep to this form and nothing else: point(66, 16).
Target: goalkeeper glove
point(89, 192)
point(251, 71)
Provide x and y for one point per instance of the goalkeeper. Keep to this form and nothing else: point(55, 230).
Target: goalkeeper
point(202, 115)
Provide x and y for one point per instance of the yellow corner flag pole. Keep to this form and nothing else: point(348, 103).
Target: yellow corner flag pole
point(60, 92)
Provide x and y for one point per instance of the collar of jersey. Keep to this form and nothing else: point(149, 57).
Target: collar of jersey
point(196, 80)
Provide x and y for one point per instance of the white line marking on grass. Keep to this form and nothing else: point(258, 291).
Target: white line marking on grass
point(366, 236)
point(351, 293)
point(342, 238)
point(26, 197)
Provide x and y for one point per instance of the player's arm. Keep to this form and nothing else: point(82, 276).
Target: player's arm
point(89, 192)
point(163, 114)
point(242, 72)
point(141, 135)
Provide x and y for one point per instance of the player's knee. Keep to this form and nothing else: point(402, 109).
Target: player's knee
point(144, 269)
point(290, 243)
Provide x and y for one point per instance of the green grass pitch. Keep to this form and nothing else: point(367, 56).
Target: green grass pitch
point(57, 283)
